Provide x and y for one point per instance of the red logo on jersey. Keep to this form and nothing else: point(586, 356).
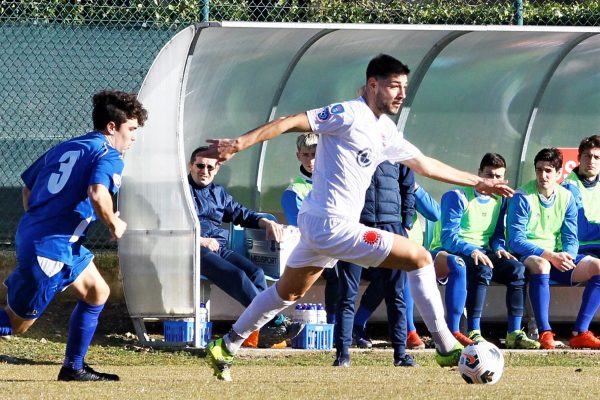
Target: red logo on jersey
point(371, 237)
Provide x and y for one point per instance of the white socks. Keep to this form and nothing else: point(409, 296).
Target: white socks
point(428, 300)
point(265, 306)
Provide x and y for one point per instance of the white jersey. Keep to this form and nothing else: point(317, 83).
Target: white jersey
point(352, 142)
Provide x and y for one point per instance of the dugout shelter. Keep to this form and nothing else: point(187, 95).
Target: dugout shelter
point(472, 89)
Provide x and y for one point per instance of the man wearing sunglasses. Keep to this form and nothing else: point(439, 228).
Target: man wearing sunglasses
point(231, 272)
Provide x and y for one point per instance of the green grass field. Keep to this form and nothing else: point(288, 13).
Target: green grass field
point(29, 365)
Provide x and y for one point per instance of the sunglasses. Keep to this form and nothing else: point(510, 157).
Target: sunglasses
point(202, 166)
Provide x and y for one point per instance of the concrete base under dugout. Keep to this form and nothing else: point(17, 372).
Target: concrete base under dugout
point(565, 301)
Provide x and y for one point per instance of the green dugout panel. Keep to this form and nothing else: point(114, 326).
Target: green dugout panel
point(510, 90)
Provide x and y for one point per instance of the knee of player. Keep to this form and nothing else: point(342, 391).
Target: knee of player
point(18, 329)
point(100, 294)
point(287, 294)
point(537, 265)
point(292, 296)
point(594, 267)
point(481, 275)
point(517, 276)
point(456, 263)
point(422, 257)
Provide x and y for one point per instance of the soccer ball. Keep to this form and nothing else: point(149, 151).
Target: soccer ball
point(481, 363)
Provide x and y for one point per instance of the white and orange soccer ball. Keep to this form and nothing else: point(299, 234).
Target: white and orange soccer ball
point(481, 363)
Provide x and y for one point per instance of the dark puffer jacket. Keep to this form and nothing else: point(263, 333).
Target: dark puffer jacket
point(390, 198)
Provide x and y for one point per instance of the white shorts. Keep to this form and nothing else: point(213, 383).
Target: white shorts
point(325, 240)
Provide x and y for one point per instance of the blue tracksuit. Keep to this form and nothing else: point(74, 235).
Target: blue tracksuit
point(234, 274)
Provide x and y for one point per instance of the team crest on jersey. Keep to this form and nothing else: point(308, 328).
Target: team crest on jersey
point(337, 109)
point(324, 114)
point(371, 237)
point(117, 180)
point(363, 158)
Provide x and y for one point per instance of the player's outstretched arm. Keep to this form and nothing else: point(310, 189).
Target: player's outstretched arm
point(103, 206)
point(224, 149)
point(435, 169)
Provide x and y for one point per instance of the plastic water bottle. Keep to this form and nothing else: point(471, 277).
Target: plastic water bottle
point(321, 314)
point(312, 314)
point(298, 314)
point(202, 313)
point(305, 311)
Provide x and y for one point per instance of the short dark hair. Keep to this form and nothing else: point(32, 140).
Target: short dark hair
point(118, 107)
point(493, 160)
point(551, 155)
point(196, 152)
point(383, 65)
point(588, 143)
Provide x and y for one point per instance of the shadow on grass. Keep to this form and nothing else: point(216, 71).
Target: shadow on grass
point(22, 361)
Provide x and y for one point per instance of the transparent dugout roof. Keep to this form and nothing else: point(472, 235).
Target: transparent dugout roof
point(510, 90)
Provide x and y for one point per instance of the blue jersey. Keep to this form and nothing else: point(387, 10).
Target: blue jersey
point(60, 211)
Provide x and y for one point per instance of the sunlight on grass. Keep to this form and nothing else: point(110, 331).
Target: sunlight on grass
point(29, 368)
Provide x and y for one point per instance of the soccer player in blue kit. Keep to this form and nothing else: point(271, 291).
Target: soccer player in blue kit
point(355, 136)
point(66, 189)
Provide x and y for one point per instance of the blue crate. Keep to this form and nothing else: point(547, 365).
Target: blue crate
point(183, 331)
point(314, 337)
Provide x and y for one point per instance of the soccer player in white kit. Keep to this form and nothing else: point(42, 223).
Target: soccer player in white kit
point(354, 137)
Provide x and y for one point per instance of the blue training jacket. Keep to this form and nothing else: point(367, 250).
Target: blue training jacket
point(215, 206)
point(391, 196)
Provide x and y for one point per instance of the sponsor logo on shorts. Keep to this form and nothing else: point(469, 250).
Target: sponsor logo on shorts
point(371, 237)
point(324, 114)
point(337, 109)
point(363, 158)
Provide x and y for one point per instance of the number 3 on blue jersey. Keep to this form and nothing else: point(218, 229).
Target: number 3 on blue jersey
point(58, 180)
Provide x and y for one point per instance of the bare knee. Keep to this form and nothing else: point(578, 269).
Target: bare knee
point(18, 324)
point(98, 294)
point(422, 257)
point(586, 269)
point(594, 268)
point(20, 328)
point(537, 265)
point(295, 282)
point(290, 294)
point(441, 264)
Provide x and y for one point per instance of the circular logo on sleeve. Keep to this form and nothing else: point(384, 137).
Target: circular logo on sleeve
point(371, 237)
point(324, 114)
point(364, 158)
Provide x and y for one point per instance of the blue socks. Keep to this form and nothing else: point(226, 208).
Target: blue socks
point(539, 293)
point(82, 326)
point(514, 323)
point(589, 304)
point(5, 325)
point(456, 292)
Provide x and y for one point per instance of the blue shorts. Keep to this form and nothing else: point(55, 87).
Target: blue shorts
point(36, 280)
